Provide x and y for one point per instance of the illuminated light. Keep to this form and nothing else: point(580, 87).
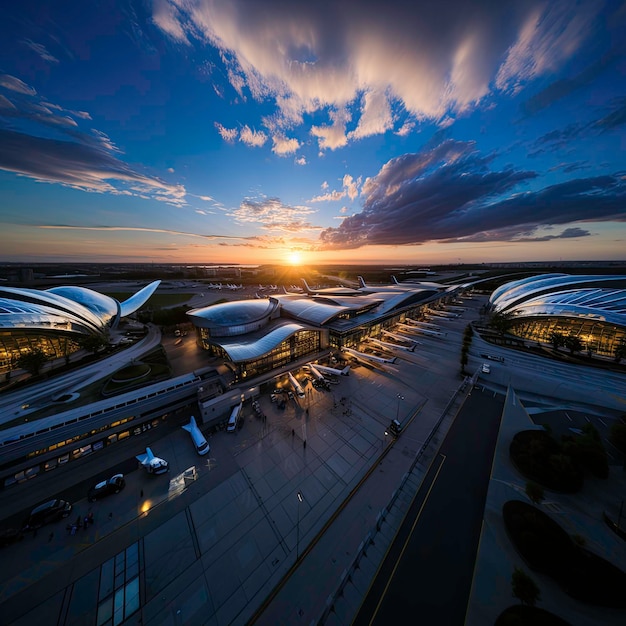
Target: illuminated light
point(145, 507)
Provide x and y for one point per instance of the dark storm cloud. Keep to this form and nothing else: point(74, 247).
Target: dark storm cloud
point(450, 194)
point(615, 118)
point(564, 87)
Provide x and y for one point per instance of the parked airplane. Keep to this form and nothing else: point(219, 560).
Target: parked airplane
point(446, 314)
point(425, 324)
point(153, 464)
point(400, 337)
point(391, 346)
point(332, 370)
point(383, 288)
point(234, 287)
point(202, 445)
point(331, 291)
point(421, 331)
point(368, 357)
point(316, 373)
point(296, 385)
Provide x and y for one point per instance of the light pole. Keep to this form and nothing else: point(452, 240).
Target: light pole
point(400, 398)
point(300, 499)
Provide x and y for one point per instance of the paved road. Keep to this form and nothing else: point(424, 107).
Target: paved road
point(427, 574)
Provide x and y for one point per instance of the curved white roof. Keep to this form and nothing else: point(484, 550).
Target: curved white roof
point(253, 349)
point(601, 298)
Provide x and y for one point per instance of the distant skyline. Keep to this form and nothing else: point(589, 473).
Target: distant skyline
point(287, 132)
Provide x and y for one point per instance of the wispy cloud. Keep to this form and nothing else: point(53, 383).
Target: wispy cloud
point(361, 56)
point(449, 193)
point(41, 51)
point(80, 166)
point(251, 137)
point(140, 230)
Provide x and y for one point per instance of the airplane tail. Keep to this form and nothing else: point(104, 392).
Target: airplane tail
point(345, 371)
point(306, 286)
point(362, 282)
point(395, 280)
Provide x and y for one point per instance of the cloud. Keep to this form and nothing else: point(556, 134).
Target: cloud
point(369, 57)
point(15, 84)
point(547, 38)
point(284, 146)
point(167, 16)
point(272, 214)
point(350, 189)
point(141, 230)
point(80, 166)
point(565, 86)
point(449, 193)
point(228, 134)
point(333, 136)
point(301, 160)
point(615, 118)
point(252, 137)
point(406, 128)
point(41, 51)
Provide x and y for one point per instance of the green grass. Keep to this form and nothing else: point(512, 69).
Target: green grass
point(157, 300)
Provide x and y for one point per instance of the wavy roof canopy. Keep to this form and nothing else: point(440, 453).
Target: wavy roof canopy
point(235, 313)
point(69, 309)
point(251, 349)
point(601, 298)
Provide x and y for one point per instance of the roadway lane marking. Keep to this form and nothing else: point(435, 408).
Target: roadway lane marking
point(406, 543)
point(602, 422)
point(588, 420)
point(568, 417)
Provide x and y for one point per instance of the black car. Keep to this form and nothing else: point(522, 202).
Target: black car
point(9, 536)
point(115, 484)
point(48, 512)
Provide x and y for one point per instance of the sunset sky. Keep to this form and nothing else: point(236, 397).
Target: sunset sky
point(328, 131)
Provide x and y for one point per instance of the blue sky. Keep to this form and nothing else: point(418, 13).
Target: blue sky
point(284, 131)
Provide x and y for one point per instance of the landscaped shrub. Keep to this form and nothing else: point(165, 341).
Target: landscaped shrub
point(547, 548)
point(540, 458)
point(521, 615)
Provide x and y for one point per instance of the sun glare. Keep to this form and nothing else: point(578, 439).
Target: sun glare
point(294, 258)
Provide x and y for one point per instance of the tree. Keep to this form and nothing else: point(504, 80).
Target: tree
point(618, 436)
point(501, 321)
point(524, 587)
point(32, 361)
point(620, 350)
point(463, 360)
point(534, 492)
point(557, 340)
point(92, 343)
point(573, 343)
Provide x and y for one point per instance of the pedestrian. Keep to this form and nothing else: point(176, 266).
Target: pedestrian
point(85, 522)
point(293, 432)
point(304, 443)
point(141, 494)
point(90, 517)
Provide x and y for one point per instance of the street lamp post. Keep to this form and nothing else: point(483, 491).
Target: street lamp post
point(300, 499)
point(400, 398)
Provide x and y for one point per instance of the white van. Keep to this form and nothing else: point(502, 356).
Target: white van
point(233, 420)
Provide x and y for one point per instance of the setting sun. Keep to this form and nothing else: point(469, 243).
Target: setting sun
point(294, 257)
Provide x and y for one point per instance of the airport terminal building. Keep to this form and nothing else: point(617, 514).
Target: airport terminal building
point(260, 335)
point(592, 308)
point(54, 320)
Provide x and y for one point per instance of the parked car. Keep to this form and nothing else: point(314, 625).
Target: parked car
point(9, 536)
point(486, 369)
point(115, 484)
point(50, 511)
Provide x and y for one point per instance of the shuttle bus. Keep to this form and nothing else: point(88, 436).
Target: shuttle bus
point(234, 418)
